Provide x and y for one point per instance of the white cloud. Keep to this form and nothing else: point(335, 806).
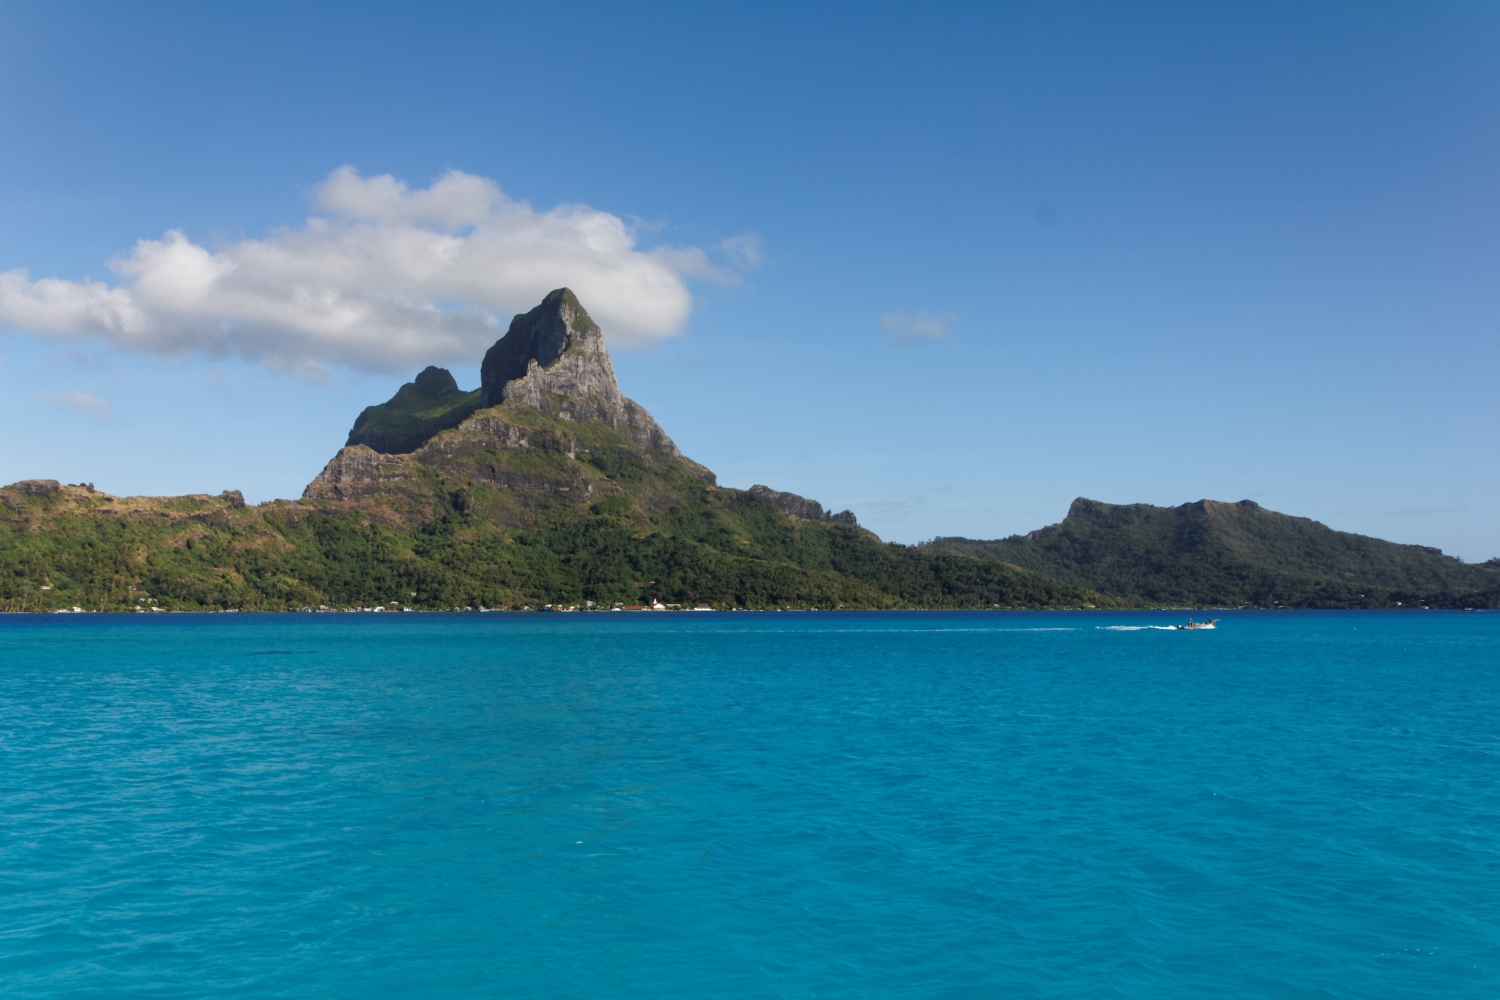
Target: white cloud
point(386, 278)
point(81, 401)
point(917, 326)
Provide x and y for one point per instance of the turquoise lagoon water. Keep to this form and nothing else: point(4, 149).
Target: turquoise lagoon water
point(733, 805)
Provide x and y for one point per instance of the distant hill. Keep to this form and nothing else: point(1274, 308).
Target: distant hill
point(546, 486)
point(1212, 554)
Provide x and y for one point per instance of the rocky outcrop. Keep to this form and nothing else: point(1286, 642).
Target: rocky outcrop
point(358, 471)
point(36, 487)
point(554, 360)
point(464, 452)
point(792, 504)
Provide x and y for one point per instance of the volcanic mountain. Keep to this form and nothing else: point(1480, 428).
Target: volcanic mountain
point(547, 487)
point(537, 439)
point(544, 487)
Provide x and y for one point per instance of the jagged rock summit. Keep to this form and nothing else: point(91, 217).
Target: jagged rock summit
point(547, 438)
point(545, 424)
point(554, 360)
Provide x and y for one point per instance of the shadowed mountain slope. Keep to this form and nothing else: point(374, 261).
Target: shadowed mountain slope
point(430, 403)
point(1230, 554)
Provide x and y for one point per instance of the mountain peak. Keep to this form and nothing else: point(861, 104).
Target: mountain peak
point(553, 359)
point(558, 331)
point(434, 381)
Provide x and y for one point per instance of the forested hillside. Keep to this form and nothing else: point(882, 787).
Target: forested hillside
point(68, 546)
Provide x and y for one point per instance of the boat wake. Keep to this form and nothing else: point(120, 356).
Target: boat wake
point(1191, 625)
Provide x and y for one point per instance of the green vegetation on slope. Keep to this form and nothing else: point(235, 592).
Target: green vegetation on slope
point(577, 514)
point(508, 508)
point(1210, 554)
point(284, 556)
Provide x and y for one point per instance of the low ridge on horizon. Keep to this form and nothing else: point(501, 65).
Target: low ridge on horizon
point(1227, 554)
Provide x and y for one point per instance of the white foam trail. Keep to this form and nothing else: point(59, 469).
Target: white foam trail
point(1138, 628)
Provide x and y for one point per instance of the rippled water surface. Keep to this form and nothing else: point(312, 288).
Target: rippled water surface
point(732, 805)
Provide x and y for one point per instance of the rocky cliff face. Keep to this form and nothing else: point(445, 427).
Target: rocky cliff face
point(36, 487)
point(548, 431)
point(553, 359)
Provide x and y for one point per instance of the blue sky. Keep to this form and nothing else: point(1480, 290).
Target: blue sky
point(950, 266)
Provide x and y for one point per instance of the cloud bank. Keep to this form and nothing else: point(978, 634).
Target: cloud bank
point(385, 278)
